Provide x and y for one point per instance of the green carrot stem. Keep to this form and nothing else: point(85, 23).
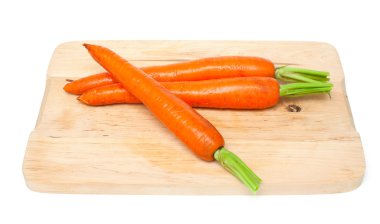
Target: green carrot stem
point(292, 77)
point(301, 89)
point(292, 74)
point(306, 71)
point(233, 164)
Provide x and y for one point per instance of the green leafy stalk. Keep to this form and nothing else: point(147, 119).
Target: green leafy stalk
point(233, 164)
point(292, 74)
point(301, 89)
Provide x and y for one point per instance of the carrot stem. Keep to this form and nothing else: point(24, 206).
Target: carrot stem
point(233, 164)
point(292, 74)
point(301, 89)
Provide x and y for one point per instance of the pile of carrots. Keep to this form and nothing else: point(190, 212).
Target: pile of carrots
point(170, 91)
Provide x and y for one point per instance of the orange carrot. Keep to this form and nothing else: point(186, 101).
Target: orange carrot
point(189, 126)
point(195, 131)
point(231, 93)
point(108, 95)
point(208, 68)
point(81, 85)
point(212, 68)
point(234, 93)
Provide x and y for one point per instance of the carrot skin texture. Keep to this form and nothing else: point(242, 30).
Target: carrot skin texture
point(189, 126)
point(195, 70)
point(231, 93)
point(212, 68)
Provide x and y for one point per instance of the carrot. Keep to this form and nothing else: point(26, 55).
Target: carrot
point(81, 85)
point(232, 93)
point(189, 126)
point(108, 95)
point(208, 68)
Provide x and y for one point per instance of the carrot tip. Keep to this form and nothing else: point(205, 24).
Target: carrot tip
point(66, 88)
point(80, 98)
point(86, 45)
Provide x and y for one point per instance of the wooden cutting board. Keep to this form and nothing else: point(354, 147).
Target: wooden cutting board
point(123, 149)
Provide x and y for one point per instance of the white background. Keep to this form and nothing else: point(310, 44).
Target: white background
point(30, 30)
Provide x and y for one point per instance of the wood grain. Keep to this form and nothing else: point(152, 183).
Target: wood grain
point(123, 149)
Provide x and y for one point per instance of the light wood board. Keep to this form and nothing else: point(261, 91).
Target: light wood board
point(123, 149)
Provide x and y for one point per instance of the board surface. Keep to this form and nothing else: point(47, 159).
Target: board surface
point(123, 149)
